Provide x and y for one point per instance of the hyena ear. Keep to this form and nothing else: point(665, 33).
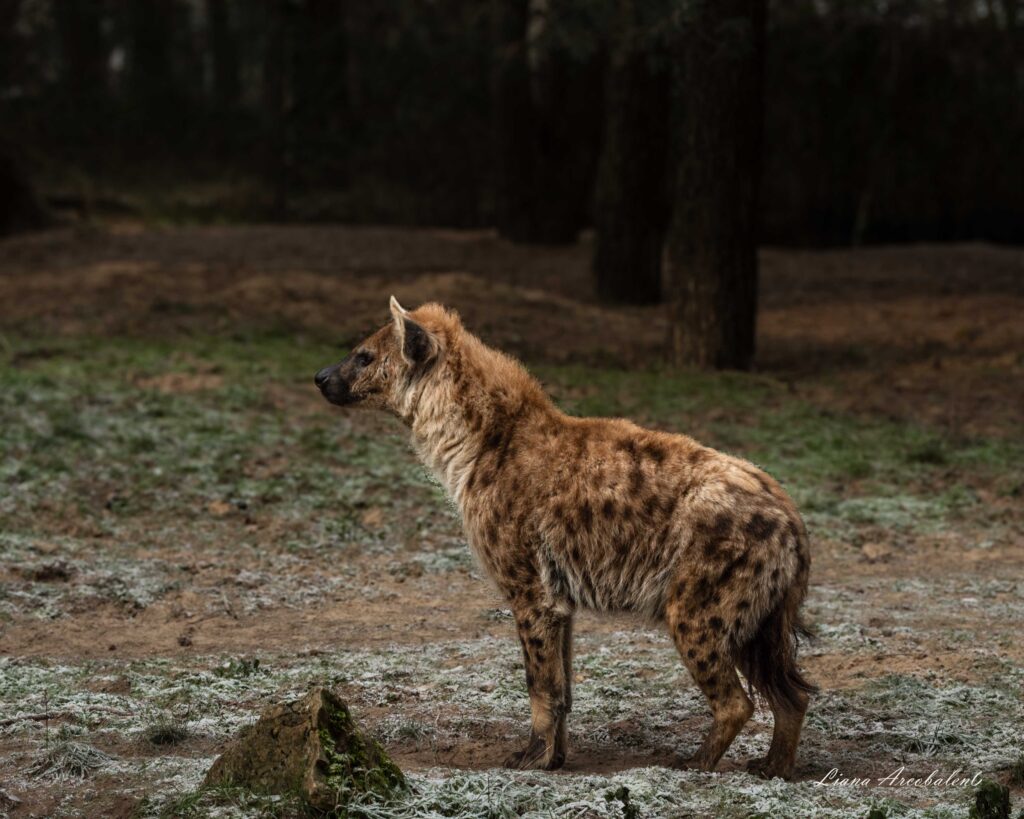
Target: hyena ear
point(419, 346)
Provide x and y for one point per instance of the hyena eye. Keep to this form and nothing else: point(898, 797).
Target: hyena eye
point(364, 358)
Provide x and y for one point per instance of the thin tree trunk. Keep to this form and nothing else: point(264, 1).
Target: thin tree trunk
point(20, 208)
point(544, 108)
point(631, 200)
point(150, 69)
point(276, 106)
point(511, 119)
point(224, 54)
point(711, 252)
point(82, 50)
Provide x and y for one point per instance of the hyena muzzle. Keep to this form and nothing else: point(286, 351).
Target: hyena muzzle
point(568, 512)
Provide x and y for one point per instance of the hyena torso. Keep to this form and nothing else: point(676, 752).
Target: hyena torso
point(599, 513)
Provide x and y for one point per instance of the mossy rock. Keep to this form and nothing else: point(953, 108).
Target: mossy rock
point(991, 801)
point(310, 747)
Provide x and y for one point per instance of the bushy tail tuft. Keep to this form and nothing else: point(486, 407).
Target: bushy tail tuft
point(768, 659)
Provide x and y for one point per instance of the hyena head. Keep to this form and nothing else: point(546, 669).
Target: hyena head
point(382, 371)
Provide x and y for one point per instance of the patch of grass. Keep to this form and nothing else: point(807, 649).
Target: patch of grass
point(69, 760)
point(224, 800)
point(166, 732)
point(1016, 777)
point(238, 668)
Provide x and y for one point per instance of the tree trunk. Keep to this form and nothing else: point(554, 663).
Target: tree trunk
point(276, 104)
point(545, 111)
point(632, 195)
point(711, 252)
point(83, 50)
point(19, 207)
point(224, 54)
point(150, 74)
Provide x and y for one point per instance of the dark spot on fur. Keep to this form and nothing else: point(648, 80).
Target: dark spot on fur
point(586, 517)
point(702, 638)
point(760, 527)
point(536, 642)
point(716, 623)
point(608, 509)
point(691, 653)
point(704, 591)
point(711, 681)
point(702, 666)
point(758, 567)
point(775, 575)
point(730, 568)
point(743, 605)
point(682, 628)
point(655, 452)
point(737, 623)
point(712, 536)
point(713, 657)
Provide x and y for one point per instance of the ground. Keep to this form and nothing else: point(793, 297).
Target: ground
point(188, 531)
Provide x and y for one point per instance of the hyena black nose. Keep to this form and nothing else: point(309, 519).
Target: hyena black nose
point(321, 377)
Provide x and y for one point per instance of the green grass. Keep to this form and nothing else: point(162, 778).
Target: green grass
point(77, 429)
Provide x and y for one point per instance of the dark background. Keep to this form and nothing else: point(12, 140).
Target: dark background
point(685, 133)
point(885, 121)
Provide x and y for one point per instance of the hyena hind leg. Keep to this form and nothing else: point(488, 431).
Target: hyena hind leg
point(704, 647)
point(781, 758)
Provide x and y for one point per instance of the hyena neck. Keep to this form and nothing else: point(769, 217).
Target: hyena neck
point(476, 406)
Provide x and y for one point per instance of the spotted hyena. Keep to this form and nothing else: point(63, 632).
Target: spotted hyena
point(599, 513)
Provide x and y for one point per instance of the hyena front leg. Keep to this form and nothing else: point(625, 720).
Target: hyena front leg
point(546, 637)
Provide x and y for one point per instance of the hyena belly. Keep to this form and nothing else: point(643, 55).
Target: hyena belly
point(629, 568)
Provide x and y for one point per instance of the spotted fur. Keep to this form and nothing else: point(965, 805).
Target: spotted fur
point(567, 513)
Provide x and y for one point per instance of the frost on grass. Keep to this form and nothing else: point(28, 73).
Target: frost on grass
point(448, 692)
point(69, 760)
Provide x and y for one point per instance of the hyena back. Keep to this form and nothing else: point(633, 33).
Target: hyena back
point(570, 512)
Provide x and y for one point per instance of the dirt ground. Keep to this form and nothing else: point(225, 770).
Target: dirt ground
point(188, 531)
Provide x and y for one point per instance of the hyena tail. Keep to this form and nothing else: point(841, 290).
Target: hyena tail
point(768, 658)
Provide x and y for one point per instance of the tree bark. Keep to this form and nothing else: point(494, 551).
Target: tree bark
point(20, 208)
point(711, 251)
point(224, 53)
point(544, 108)
point(82, 49)
point(277, 104)
point(632, 193)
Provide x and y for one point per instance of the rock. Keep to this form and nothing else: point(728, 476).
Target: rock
point(991, 801)
point(312, 747)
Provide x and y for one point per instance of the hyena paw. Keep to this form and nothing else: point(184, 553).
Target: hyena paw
point(767, 768)
point(695, 762)
point(535, 755)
